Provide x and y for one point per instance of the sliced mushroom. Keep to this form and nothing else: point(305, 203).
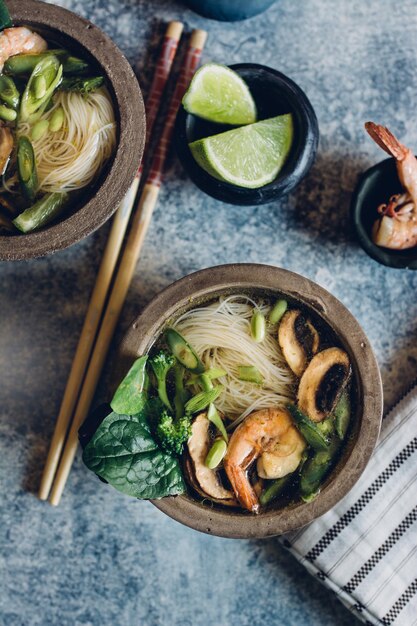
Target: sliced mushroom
point(322, 383)
point(298, 340)
point(204, 480)
point(6, 147)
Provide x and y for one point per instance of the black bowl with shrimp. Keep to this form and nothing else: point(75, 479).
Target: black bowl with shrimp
point(383, 211)
point(72, 128)
point(248, 402)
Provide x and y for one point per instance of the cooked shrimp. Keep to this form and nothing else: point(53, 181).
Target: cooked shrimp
point(19, 40)
point(397, 228)
point(270, 436)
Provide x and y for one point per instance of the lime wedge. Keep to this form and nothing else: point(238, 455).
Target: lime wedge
point(250, 156)
point(218, 94)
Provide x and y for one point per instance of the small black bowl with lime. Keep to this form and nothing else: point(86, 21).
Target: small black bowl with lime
point(245, 134)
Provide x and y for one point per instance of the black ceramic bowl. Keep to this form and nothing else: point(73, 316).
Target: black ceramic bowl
point(373, 188)
point(274, 94)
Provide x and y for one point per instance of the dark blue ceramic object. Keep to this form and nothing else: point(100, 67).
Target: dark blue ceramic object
point(374, 187)
point(229, 10)
point(274, 94)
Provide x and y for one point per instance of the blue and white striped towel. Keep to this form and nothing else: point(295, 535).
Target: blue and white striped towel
point(365, 548)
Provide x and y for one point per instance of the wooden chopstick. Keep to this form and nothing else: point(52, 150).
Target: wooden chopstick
point(107, 266)
point(141, 220)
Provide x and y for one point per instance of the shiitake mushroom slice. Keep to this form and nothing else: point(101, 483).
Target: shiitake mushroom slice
point(298, 340)
point(323, 382)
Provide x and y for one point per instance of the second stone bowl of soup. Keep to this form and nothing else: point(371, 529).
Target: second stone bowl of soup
point(336, 326)
point(95, 203)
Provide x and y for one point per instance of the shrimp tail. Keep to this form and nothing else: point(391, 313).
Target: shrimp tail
point(386, 140)
point(241, 486)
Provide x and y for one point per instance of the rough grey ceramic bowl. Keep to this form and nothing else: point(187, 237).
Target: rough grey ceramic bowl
point(266, 280)
point(100, 201)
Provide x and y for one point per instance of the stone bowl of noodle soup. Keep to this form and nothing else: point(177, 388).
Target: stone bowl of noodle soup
point(256, 282)
point(95, 203)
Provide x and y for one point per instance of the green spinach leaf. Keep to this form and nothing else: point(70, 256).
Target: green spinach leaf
point(124, 453)
point(130, 395)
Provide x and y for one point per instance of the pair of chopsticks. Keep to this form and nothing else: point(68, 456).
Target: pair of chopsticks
point(113, 286)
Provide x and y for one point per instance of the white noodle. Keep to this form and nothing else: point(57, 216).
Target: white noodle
point(72, 157)
point(220, 334)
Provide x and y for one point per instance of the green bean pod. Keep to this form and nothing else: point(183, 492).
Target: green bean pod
point(309, 429)
point(9, 93)
point(42, 212)
point(342, 415)
point(26, 168)
point(274, 489)
point(22, 64)
point(315, 470)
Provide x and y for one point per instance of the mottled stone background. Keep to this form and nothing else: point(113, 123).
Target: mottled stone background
point(100, 558)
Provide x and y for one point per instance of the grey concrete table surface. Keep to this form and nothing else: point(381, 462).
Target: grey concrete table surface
point(101, 558)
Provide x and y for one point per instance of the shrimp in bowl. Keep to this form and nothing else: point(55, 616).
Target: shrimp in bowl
point(396, 226)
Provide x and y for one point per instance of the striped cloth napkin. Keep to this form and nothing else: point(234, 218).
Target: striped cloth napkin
point(365, 548)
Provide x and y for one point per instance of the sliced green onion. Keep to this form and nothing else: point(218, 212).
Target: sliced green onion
point(39, 129)
point(8, 92)
point(205, 382)
point(6, 114)
point(42, 212)
point(214, 417)
point(56, 120)
point(215, 372)
point(39, 86)
point(216, 454)
point(201, 400)
point(258, 326)
point(251, 374)
point(278, 311)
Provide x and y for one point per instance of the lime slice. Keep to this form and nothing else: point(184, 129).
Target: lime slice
point(218, 94)
point(250, 156)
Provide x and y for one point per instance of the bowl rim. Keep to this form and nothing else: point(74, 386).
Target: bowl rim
point(384, 256)
point(104, 199)
point(283, 184)
point(206, 282)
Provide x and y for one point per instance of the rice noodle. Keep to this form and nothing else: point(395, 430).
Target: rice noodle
point(220, 334)
point(72, 157)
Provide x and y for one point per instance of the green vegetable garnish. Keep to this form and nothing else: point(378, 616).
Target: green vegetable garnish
point(56, 120)
point(251, 374)
point(205, 382)
point(21, 64)
point(183, 352)
point(201, 400)
point(309, 429)
point(8, 92)
point(278, 311)
point(274, 489)
point(161, 364)
point(130, 395)
point(48, 72)
point(82, 85)
point(258, 326)
point(173, 432)
point(123, 452)
point(342, 415)
point(315, 469)
point(216, 454)
point(5, 19)
point(7, 114)
point(42, 212)
point(26, 168)
point(39, 129)
point(181, 394)
point(214, 417)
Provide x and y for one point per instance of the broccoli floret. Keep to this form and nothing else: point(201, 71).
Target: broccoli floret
point(161, 364)
point(173, 433)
